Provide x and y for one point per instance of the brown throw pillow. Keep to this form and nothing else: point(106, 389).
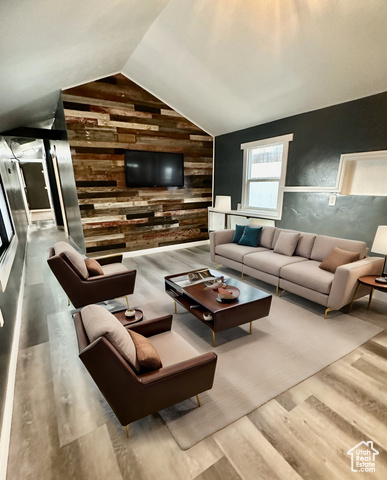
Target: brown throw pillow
point(147, 355)
point(337, 257)
point(93, 267)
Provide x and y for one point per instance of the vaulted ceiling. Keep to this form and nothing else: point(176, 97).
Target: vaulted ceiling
point(224, 64)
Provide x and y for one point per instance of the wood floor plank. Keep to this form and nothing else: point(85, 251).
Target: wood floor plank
point(251, 454)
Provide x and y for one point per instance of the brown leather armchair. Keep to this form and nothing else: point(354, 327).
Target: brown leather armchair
point(133, 395)
point(117, 281)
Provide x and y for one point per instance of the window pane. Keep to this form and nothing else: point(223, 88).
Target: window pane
point(263, 194)
point(265, 162)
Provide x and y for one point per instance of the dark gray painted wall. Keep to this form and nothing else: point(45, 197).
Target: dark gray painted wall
point(9, 298)
point(320, 138)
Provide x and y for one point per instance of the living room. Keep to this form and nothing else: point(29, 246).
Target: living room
point(317, 91)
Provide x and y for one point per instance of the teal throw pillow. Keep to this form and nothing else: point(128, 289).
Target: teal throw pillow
point(239, 229)
point(250, 236)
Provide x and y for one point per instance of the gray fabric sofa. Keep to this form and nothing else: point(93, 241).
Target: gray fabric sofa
point(300, 273)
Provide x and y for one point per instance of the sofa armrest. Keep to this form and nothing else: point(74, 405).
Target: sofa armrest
point(109, 259)
point(218, 238)
point(148, 328)
point(345, 280)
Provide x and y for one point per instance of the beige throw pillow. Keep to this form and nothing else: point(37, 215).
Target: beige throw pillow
point(286, 243)
point(93, 267)
point(147, 355)
point(337, 257)
point(74, 258)
point(98, 322)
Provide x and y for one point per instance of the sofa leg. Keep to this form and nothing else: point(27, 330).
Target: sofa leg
point(327, 311)
point(218, 266)
point(276, 290)
point(127, 431)
point(283, 291)
point(197, 398)
point(242, 276)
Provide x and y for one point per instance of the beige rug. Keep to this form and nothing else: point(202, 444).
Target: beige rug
point(285, 348)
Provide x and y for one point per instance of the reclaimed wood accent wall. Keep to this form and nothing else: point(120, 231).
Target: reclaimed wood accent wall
point(106, 117)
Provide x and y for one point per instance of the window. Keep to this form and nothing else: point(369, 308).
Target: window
point(264, 172)
point(6, 226)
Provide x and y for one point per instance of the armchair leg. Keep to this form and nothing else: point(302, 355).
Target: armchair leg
point(127, 431)
point(197, 398)
point(68, 301)
point(213, 338)
point(175, 307)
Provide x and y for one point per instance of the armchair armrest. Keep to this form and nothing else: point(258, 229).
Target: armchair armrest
point(148, 328)
point(109, 259)
point(181, 368)
point(218, 238)
point(109, 275)
point(345, 280)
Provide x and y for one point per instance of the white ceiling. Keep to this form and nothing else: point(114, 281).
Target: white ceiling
point(224, 64)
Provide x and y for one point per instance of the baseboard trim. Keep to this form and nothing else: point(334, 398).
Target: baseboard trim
point(8, 407)
point(178, 246)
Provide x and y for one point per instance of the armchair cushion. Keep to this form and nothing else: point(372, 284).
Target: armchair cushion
point(147, 355)
point(99, 322)
point(113, 268)
point(73, 257)
point(172, 348)
point(93, 267)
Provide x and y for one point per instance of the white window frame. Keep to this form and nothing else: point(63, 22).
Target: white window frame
point(276, 213)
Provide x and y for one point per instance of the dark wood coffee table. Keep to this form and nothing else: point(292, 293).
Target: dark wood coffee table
point(251, 305)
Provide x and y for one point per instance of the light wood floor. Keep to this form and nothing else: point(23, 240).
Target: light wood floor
point(63, 429)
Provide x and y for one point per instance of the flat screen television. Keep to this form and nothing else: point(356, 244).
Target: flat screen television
point(154, 169)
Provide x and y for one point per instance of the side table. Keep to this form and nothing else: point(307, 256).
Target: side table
point(369, 281)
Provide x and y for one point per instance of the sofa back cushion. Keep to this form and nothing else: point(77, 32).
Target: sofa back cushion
point(324, 245)
point(266, 238)
point(100, 322)
point(74, 258)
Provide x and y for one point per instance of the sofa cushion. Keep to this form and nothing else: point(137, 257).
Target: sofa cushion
point(266, 237)
point(73, 257)
point(113, 268)
point(147, 355)
point(172, 348)
point(309, 275)
point(236, 252)
point(250, 236)
point(286, 243)
point(337, 257)
point(323, 245)
point(239, 230)
point(99, 322)
point(270, 262)
point(93, 267)
point(305, 244)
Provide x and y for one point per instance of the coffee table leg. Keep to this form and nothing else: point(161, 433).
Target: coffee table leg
point(213, 338)
point(370, 299)
point(251, 328)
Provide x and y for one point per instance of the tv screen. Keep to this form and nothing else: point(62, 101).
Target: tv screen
point(154, 169)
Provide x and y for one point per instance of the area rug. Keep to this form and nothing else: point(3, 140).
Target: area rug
point(287, 347)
